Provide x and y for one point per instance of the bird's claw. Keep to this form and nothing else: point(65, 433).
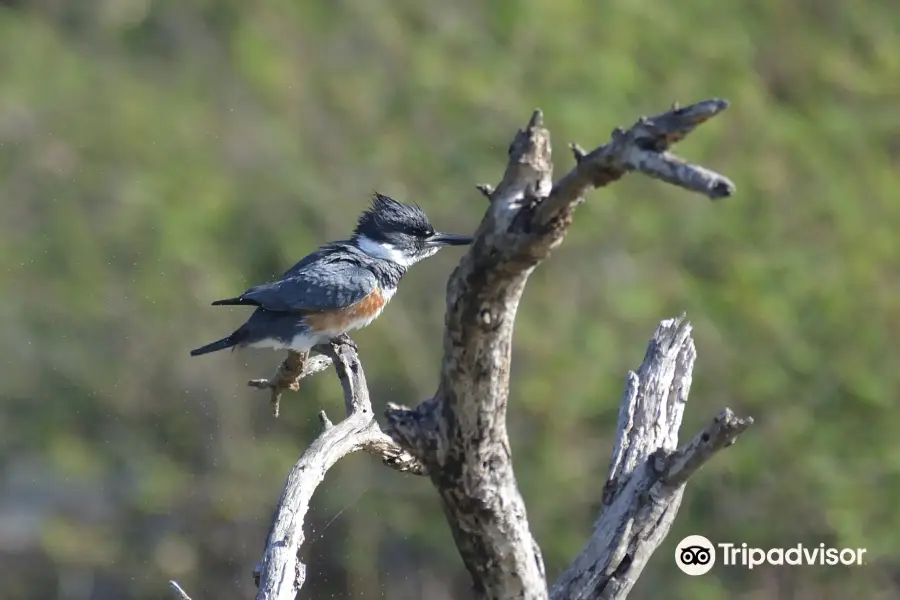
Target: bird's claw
point(345, 339)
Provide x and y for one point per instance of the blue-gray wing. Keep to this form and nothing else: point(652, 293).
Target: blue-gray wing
point(315, 286)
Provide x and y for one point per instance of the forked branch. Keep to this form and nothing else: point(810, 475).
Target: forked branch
point(280, 574)
point(647, 474)
point(459, 436)
point(461, 433)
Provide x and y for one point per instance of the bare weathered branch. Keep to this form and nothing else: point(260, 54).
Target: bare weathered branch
point(459, 436)
point(464, 428)
point(671, 169)
point(178, 591)
point(486, 190)
point(721, 433)
point(280, 574)
point(642, 148)
point(647, 474)
point(461, 433)
point(578, 152)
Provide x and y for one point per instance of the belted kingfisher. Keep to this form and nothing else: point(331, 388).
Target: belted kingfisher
point(340, 287)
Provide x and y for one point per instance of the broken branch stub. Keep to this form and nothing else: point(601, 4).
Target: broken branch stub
point(459, 436)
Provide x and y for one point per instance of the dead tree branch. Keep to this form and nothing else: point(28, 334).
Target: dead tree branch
point(280, 574)
point(648, 473)
point(180, 594)
point(460, 434)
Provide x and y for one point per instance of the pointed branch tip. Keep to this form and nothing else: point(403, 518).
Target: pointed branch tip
point(709, 108)
point(485, 189)
point(179, 591)
point(578, 152)
point(722, 189)
point(537, 118)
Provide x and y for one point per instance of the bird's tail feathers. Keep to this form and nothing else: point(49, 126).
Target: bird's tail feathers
point(226, 342)
point(230, 302)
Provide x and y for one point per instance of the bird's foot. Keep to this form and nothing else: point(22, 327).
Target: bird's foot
point(345, 338)
point(287, 377)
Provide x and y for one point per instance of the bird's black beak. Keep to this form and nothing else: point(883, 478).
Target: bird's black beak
point(448, 239)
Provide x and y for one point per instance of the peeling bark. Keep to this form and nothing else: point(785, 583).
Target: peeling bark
point(459, 438)
point(461, 434)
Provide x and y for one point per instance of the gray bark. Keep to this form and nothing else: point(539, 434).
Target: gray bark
point(280, 574)
point(648, 472)
point(460, 435)
point(459, 438)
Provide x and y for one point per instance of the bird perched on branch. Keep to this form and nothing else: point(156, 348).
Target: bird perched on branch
point(342, 286)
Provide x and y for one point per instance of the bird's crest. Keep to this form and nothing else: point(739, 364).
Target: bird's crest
point(389, 215)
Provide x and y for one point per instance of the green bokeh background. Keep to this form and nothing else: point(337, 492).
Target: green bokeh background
point(158, 154)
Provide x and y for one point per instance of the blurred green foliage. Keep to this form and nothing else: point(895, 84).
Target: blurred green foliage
point(158, 154)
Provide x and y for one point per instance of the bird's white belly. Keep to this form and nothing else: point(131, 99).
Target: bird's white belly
point(387, 294)
point(302, 342)
point(299, 343)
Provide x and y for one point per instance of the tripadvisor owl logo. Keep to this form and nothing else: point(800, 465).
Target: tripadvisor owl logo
point(695, 555)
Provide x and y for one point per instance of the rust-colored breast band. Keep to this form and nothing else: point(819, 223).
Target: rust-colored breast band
point(340, 319)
